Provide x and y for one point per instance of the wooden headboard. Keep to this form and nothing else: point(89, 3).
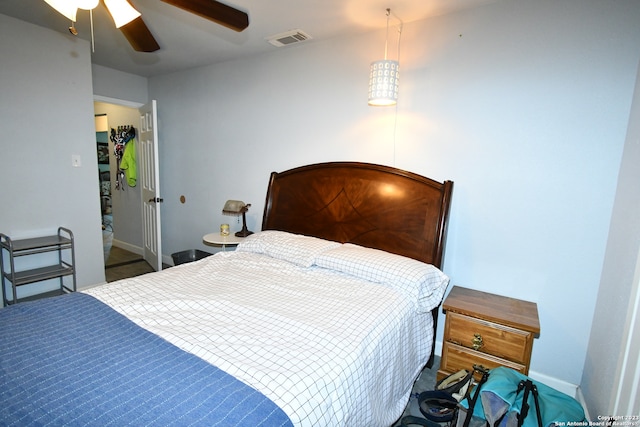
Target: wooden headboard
point(369, 205)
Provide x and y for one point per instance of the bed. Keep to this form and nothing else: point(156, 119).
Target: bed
point(324, 318)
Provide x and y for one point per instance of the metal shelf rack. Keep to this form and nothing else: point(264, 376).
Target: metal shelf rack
point(62, 242)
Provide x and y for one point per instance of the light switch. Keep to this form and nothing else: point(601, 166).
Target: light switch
point(76, 162)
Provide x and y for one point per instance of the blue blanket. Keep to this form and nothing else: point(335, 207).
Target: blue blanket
point(73, 361)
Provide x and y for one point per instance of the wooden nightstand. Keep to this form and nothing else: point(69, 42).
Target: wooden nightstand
point(487, 330)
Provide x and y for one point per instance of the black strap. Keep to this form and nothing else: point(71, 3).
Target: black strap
point(528, 386)
point(472, 402)
point(524, 410)
point(535, 398)
point(411, 420)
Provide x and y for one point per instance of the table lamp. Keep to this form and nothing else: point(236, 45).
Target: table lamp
point(236, 207)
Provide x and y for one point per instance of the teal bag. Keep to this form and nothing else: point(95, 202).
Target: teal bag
point(502, 398)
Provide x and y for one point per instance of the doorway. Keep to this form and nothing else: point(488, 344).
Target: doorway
point(120, 202)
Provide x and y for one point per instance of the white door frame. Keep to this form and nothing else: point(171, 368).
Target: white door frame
point(115, 101)
point(130, 104)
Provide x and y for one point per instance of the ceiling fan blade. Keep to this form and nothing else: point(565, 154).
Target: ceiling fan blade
point(139, 36)
point(214, 11)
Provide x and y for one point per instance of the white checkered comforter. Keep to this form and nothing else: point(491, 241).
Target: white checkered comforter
point(328, 348)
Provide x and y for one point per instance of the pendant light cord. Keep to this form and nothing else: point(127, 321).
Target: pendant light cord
point(395, 118)
point(399, 35)
point(93, 44)
point(386, 39)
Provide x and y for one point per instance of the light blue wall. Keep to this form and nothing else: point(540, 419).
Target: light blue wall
point(524, 104)
point(46, 116)
point(117, 85)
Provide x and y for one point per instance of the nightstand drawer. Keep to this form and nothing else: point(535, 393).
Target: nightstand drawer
point(501, 341)
point(456, 357)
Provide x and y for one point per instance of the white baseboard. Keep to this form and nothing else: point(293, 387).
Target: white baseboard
point(166, 259)
point(93, 285)
point(580, 398)
point(127, 247)
point(558, 384)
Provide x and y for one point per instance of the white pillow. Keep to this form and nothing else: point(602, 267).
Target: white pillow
point(420, 281)
point(295, 248)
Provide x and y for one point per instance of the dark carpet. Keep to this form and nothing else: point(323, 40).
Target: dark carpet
point(426, 381)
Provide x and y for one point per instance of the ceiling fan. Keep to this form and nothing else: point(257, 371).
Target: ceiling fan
point(130, 22)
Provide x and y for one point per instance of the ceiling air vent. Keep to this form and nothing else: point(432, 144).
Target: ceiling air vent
point(288, 37)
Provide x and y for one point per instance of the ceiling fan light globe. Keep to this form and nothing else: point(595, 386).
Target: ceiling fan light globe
point(121, 11)
point(64, 7)
point(86, 4)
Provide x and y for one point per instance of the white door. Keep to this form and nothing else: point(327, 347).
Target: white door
point(149, 173)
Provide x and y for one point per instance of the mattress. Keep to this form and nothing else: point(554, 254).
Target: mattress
point(326, 345)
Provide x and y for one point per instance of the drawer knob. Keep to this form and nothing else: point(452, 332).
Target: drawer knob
point(477, 341)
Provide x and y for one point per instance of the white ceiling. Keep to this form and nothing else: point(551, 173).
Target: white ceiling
point(188, 41)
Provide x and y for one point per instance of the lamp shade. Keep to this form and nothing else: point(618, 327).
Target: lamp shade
point(383, 83)
point(235, 207)
point(121, 11)
point(65, 7)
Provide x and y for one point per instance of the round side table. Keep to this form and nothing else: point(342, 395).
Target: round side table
point(216, 239)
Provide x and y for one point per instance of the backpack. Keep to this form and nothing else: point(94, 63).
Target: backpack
point(505, 398)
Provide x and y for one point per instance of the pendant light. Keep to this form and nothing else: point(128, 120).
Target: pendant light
point(384, 76)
